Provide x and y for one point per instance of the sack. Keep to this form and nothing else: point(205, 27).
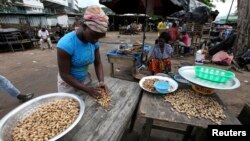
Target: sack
point(222, 58)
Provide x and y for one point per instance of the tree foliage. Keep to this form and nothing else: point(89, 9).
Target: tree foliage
point(5, 3)
point(210, 2)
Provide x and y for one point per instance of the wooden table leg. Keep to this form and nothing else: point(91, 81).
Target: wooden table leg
point(132, 122)
point(133, 118)
point(146, 130)
point(188, 133)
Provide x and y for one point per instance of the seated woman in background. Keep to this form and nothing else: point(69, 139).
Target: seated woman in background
point(159, 61)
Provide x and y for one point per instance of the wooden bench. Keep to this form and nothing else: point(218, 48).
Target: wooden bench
point(2, 40)
point(22, 40)
point(13, 40)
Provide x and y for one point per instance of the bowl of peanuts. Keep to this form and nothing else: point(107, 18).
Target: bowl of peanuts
point(44, 118)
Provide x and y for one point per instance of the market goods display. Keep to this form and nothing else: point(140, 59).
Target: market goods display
point(195, 105)
point(133, 50)
point(149, 84)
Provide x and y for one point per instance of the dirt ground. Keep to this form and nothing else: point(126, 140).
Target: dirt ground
point(36, 71)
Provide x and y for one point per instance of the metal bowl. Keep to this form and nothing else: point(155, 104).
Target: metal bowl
point(10, 121)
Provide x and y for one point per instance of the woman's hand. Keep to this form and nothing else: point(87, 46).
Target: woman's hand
point(102, 85)
point(95, 92)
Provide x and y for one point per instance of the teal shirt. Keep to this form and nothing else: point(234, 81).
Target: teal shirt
point(82, 54)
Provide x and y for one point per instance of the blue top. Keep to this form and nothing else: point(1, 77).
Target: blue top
point(157, 54)
point(82, 54)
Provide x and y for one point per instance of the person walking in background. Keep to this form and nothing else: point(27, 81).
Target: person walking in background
point(7, 87)
point(43, 34)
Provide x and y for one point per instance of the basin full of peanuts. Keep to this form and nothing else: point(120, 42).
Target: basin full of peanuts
point(47, 117)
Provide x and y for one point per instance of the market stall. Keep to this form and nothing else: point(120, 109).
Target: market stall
point(188, 99)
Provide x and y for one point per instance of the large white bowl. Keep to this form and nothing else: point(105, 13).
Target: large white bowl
point(173, 84)
point(9, 121)
point(188, 72)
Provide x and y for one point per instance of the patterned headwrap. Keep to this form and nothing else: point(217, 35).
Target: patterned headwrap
point(96, 19)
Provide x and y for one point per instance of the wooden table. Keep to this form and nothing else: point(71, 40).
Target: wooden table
point(98, 124)
point(153, 107)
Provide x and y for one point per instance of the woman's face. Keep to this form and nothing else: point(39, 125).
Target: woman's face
point(161, 42)
point(92, 36)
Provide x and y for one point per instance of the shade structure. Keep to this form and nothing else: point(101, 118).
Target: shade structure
point(150, 7)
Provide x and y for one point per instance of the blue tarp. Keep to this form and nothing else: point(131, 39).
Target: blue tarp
point(115, 52)
point(137, 57)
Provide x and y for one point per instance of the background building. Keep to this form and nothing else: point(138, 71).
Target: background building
point(39, 13)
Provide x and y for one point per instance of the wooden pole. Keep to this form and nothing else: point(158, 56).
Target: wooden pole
point(144, 31)
point(229, 11)
point(145, 23)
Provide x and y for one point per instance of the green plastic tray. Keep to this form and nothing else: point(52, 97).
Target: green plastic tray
point(213, 74)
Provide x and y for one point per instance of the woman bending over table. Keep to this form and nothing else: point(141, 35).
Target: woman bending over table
point(79, 49)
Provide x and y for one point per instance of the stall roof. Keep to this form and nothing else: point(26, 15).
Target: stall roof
point(135, 15)
point(222, 20)
point(151, 7)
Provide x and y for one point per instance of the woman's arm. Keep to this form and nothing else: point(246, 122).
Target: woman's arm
point(169, 49)
point(99, 70)
point(153, 54)
point(98, 66)
point(64, 65)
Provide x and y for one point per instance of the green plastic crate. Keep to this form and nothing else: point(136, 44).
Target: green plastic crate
point(213, 74)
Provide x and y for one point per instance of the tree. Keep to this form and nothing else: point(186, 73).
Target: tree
point(6, 3)
point(243, 26)
point(209, 2)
